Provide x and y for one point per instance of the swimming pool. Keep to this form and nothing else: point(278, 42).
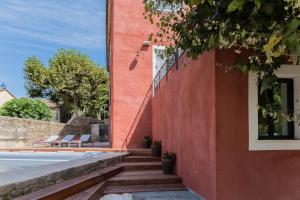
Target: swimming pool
point(21, 160)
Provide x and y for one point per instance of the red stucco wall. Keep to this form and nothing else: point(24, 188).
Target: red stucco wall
point(244, 174)
point(199, 112)
point(130, 74)
point(183, 111)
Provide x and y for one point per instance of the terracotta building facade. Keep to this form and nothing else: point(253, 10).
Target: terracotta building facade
point(205, 114)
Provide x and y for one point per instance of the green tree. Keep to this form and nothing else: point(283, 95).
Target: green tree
point(26, 108)
point(72, 79)
point(270, 28)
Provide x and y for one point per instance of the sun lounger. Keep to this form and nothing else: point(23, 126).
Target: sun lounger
point(44, 143)
point(50, 139)
point(86, 138)
point(66, 140)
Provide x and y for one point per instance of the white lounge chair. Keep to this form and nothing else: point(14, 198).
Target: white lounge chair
point(50, 139)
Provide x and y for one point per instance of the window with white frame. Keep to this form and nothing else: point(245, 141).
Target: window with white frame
point(265, 131)
point(159, 58)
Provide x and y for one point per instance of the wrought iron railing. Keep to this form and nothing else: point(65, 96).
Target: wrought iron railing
point(170, 62)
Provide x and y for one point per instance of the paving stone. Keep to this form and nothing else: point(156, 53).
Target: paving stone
point(117, 197)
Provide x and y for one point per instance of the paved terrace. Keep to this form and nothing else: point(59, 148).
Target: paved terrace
point(136, 177)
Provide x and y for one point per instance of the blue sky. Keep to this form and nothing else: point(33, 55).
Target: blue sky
point(40, 27)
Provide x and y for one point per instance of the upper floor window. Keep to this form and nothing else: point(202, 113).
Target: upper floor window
point(162, 5)
point(159, 58)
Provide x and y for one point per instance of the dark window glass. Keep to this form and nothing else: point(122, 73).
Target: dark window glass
point(280, 100)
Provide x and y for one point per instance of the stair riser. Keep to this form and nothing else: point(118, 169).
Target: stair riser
point(97, 195)
point(143, 182)
point(140, 152)
point(92, 193)
point(141, 160)
point(145, 190)
point(146, 167)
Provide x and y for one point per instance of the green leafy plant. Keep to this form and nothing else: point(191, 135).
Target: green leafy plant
point(268, 31)
point(168, 156)
point(72, 79)
point(157, 143)
point(26, 108)
point(168, 162)
point(147, 138)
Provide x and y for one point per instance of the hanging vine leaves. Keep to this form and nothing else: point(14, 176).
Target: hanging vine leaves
point(269, 28)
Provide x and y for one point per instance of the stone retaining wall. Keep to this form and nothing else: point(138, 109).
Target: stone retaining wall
point(17, 132)
point(84, 122)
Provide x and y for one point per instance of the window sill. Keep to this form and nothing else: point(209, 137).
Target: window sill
point(264, 145)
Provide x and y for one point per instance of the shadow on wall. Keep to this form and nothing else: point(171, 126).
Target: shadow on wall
point(134, 63)
point(140, 127)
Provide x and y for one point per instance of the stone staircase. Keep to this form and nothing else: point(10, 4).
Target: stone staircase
point(137, 173)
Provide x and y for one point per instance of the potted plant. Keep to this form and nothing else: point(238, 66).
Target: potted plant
point(156, 149)
point(168, 162)
point(147, 142)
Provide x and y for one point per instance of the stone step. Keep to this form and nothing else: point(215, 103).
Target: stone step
point(143, 188)
point(70, 187)
point(141, 159)
point(141, 173)
point(139, 152)
point(143, 178)
point(129, 166)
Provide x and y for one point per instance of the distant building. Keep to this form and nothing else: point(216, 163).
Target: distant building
point(60, 114)
point(5, 96)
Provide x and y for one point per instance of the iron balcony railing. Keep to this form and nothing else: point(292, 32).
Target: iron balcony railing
point(170, 62)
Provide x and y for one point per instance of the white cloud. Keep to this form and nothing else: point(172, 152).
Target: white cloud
point(76, 23)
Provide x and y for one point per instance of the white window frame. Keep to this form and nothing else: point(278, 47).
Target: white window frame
point(286, 71)
point(174, 7)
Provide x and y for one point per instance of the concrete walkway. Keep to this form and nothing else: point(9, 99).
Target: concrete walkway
point(172, 195)
point(176, 195)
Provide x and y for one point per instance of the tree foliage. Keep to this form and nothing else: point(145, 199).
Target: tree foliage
point(72, 79)
point(269, 29)
point(26, 108)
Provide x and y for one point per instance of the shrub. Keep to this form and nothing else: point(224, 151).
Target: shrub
point(26, 108)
